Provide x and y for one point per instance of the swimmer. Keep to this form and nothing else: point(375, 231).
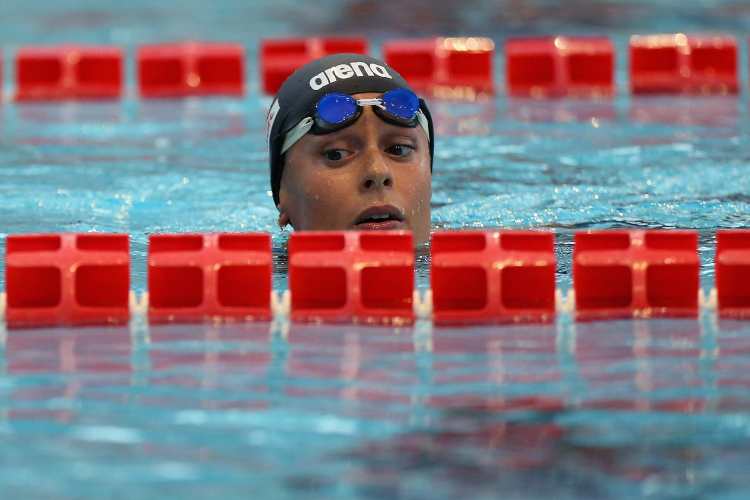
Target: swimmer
point(351, 148)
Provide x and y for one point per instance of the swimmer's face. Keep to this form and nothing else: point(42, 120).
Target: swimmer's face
point(370, 175)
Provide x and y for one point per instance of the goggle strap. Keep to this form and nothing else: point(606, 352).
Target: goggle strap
point(422, 119)
point(297, 133)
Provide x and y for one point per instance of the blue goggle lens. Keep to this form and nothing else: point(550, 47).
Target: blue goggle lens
point(336, 108)
point(401, 103)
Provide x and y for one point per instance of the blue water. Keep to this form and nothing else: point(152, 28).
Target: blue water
point(656, 409)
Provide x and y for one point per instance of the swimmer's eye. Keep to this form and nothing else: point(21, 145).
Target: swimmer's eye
point(400, 150)
point(335, 155)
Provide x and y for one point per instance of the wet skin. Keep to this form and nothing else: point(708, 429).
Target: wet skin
point(370, 175)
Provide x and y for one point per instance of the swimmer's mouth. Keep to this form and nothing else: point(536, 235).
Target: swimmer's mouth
point(380, 217)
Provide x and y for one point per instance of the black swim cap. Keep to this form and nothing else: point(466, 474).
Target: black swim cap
point(346, 73)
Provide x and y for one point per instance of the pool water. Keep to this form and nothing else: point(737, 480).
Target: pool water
point(620, 409)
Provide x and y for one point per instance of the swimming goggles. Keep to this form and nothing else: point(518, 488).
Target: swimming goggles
point(336, 110)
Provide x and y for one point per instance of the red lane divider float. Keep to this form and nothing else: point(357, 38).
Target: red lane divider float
point(444, 67)
point(67, 279)
point(197, 277)
point(363, 277)
point(733, 273)
point(493, 276)
point(622, 274)
point(560, 66)
point(191, 69)
point(478, 277)
point(280, 57)
point(683, 64)
point(69, 72)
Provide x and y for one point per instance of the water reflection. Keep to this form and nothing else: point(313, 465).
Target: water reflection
point(81, 112)
point(52, 371)
point(75, 123)
point(199, 118)
point(732, 376)
point(715, 111)
point(637, 419)
point(562, 110)
point(606, 408)
point(472, 364)
point(640, 365)
point(370, 372)
point(463, 119)
point(222, 366)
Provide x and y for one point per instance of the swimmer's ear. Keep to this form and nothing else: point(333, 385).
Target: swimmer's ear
point(283, 219)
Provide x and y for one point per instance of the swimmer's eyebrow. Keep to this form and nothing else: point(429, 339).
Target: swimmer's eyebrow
point(344, 135)
point(354, 139)
point(397, 130)
point(401, 133)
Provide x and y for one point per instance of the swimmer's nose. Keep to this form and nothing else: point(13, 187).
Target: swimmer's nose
point(376, 175)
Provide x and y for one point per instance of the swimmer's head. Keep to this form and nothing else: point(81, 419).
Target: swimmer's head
point(351, 147)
